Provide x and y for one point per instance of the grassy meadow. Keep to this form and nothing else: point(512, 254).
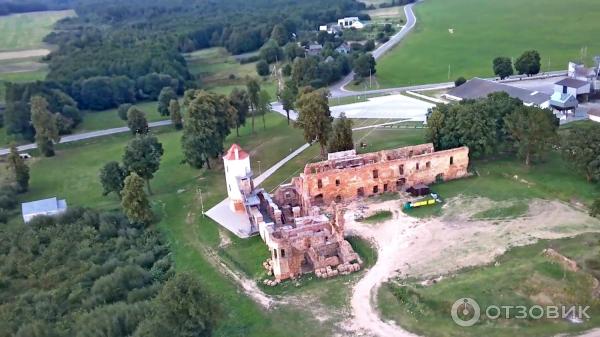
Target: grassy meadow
point(220, 72)
point(484, 29)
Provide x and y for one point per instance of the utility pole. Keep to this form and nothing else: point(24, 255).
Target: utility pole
point(370, 79)
point(448, 72)
point(259, 170)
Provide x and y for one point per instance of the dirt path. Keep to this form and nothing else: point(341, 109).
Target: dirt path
point(428, 248)
point(23, 54)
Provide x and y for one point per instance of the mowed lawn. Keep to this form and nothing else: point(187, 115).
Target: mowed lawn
point(485, 29)
point(26, 31)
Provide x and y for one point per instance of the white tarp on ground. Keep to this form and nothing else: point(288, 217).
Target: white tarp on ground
point(391, 107)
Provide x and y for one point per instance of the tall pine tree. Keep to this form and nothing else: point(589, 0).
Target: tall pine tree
point(45, 125)
point(18, 169)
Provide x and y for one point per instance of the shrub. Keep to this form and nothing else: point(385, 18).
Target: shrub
point(460, 81)
point(262, 68)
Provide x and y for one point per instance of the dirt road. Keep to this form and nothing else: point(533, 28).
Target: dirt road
point(428, 248)
point(23, 54)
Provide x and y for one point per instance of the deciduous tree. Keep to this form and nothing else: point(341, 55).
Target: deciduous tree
point(503, 67)
point(184, 308)
point(280, 34)
point(528, 63)
point(364, 65)
point(264, 106)
point(595, 209)
point(239, 99)
point(45, 125)
point(533, 131)
point(112, 178)
point(175, 113)
point(123, 109)
point(288, 97)
point(341, 137)
point(581, 148)
point(314, 116)
point(207, 123)
point(134, 200)
point(253, 89)
point(142, 156)
point(164, 99)
point(18, 169)
point(137, 122)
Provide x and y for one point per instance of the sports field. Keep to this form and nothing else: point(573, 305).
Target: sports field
point(462, 37)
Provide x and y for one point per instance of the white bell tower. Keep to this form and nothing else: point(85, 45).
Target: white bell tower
point(238, 175)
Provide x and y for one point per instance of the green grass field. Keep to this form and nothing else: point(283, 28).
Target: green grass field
point(26, 31)
point(72, 174)
point(523, 276)
point(485, 29)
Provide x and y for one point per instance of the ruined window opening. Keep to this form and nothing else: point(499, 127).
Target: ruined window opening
point(319, 183)
point(410, 153)
point(288, 195)
point(360, 192)
point(275, 253)
point(376, 189)
point(417, 166)
point(319, 199)
point(229, 187)
point(401, 169)
point(337, 182)
point(399, 183)
point(338, 198)
point(428, 164)
point(283, 253)
point(385, 187)
point(451, 160)
point(375, 174)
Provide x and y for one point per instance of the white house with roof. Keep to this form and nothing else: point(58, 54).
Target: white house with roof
point(351, 22)
point(47, 207)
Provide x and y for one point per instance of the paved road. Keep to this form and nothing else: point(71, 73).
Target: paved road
point(337, 90)
point(87, 135)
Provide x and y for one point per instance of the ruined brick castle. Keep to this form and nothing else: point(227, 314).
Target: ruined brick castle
point(292, 222)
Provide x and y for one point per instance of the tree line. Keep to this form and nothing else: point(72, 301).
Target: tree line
point(90, 273)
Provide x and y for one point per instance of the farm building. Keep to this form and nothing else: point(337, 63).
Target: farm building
point(479, 88)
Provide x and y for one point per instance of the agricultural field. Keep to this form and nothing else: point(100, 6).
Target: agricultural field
point(462, 37)
point(26, 31)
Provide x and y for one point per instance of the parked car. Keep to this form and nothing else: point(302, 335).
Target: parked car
point(25, 155)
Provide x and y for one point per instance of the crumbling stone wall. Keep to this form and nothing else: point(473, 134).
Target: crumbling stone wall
point(385, 171)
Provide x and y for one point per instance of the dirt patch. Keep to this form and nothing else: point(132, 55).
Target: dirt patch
point(427, 248)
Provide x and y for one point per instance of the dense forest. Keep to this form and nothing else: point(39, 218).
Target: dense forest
point(17, 6)
point(88, 273)
point(117, 52)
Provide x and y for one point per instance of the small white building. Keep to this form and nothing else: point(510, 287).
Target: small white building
point(238, 175)
point(572, 86)
point(350, 22)
point(323, 28)
point(48, 207)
